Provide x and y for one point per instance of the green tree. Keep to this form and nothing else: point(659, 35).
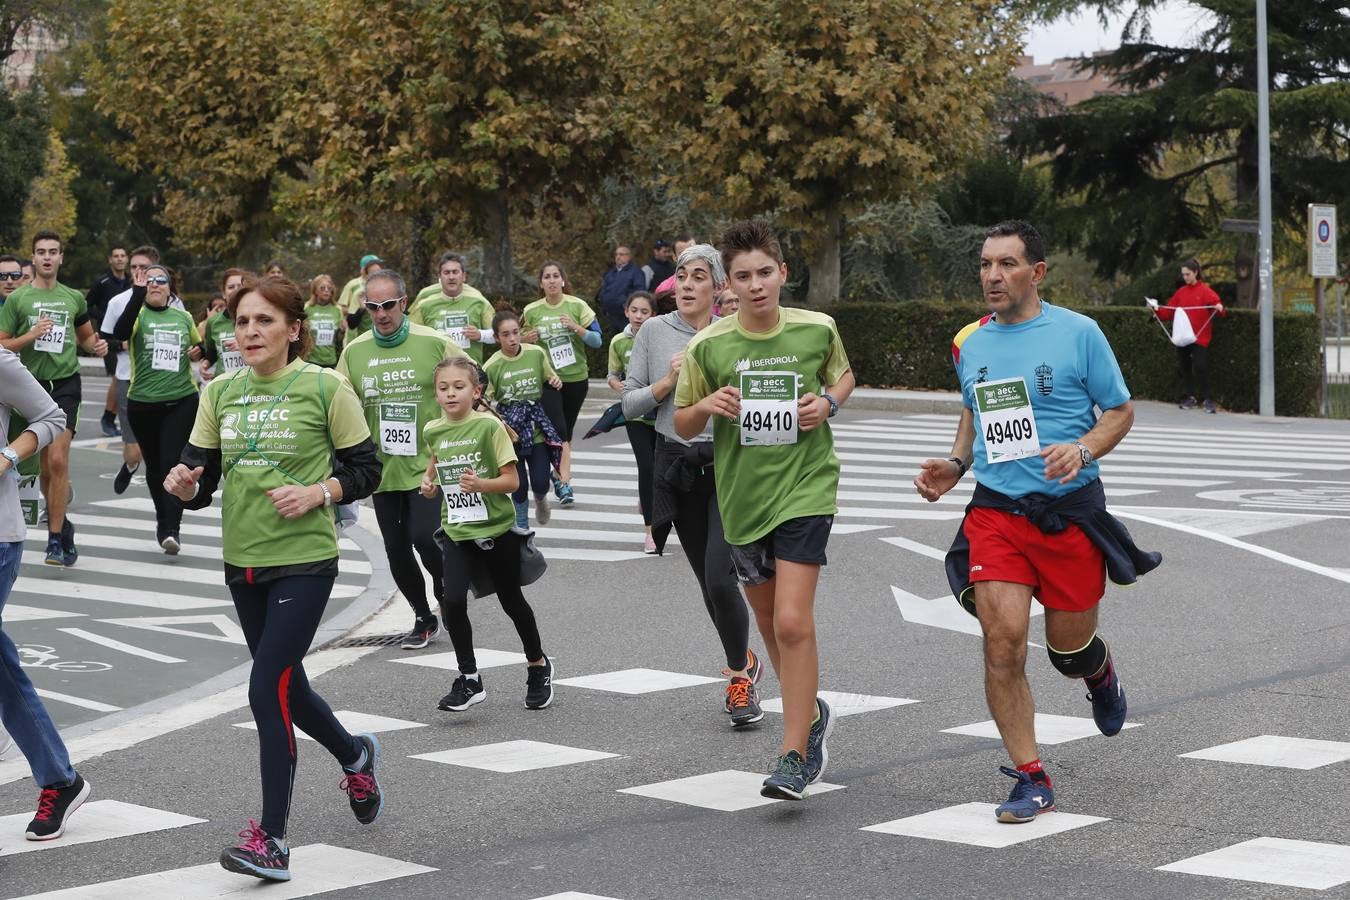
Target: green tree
point(211, 95)
point(23, 145)
point(452, 116)
point(51, 205)
point(807, 110)
point(1133, 203)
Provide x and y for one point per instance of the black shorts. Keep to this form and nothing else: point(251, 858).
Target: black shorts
point(799, 540)
point(67, 394)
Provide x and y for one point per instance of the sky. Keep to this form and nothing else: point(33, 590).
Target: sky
point(1076, 35)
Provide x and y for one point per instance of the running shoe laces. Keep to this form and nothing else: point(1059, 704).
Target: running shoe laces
point(46, 804)
point(255, 840)
point(358, 785)
point(738, 694)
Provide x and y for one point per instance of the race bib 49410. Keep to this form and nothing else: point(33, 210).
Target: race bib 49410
point(1006, 420)
point(768, 408)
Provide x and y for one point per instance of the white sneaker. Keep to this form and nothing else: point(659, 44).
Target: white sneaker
point(542, 513)
point(170, 545)
point(649, 545)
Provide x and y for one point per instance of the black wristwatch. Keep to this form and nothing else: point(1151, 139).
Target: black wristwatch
point(834, 404)
point(960, 464)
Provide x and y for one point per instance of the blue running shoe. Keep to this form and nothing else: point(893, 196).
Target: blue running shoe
point(1029, 798)
point(69, 552)
point(817, 754)
point(557, 484)
point(259, 855)
point(565, 494)
point(787, 779)
point(362, 787)
point(55, 555)
point(1108, 704)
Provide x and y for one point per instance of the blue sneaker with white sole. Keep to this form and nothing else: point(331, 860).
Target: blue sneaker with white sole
point(787, 779)
point(817, 754)
point(1108, 704)
point(1029, 798)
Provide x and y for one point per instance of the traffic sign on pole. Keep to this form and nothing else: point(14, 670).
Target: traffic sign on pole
point(1322, 241)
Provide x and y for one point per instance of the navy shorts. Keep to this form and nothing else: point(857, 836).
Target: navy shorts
point(800, 540)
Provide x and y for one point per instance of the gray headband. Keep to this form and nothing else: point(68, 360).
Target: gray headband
point(706, 253)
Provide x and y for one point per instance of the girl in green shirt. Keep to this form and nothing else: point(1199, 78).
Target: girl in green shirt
point(473, 467)
point(564, 326)
point(327, 324)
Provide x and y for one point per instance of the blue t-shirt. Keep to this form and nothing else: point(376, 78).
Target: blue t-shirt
point(1068, 367)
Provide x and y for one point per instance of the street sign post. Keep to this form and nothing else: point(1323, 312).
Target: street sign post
point(1322, 241)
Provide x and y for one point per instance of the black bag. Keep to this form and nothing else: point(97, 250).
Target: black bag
point(533, 565)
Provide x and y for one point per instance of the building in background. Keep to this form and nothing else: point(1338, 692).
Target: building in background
point(1063, 80)
point(32, 44)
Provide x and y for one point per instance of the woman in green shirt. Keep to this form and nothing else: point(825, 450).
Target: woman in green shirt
point(327, 324)
point(293, 440)
point(564, 326)
point(163, 342)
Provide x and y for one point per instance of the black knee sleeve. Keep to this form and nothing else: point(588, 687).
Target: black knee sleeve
point(1080, 663)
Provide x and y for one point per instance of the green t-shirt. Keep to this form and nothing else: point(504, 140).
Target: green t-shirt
point(218, 336)
point(160, 368)
point(449, 316)
point(566, 350)
point(295, 418)
point(482, 443)
point(324, 321)
point(519, 378)
point(397, 388)
point(349, 301)
point(52, 356)
point(433, 289)
point(620, 352)
point(765, 484)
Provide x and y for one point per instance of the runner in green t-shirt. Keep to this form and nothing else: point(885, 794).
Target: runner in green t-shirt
point(353, 292)
point(220, 352)
point(391, 368)
point(43, 322)
point(564, 326)
point(455, 309)
point(518, 375)
point(472, 468)
point(161, 342)
point(327, 325)
point(291, 438)
point(770, 377)
point(641, 432)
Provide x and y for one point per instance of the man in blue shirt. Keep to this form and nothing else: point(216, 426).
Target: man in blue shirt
point(1031, 374)
point(619, 282)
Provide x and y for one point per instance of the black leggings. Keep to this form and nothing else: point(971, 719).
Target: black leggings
point(563, 406)
point(699, 525)
point(533, 467)
point(279, 619)
point(163, 429)
point(503, 564)
point(1193, 361)
point(642, 438)
point(408, 520)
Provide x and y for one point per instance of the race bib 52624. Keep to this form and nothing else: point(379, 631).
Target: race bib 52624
point(461, 506)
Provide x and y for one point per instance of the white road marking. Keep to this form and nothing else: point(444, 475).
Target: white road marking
point(56, 587)
point(15, 612)
point(226, 630)
point(72, 700)
point(916, 547)
point(98, 820)
point(112, 644)
point(974, 824)
point(515, 756)
point(726, 791)
point(1267, 860)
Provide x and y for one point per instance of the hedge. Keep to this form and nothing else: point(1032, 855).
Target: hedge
point(909, 345)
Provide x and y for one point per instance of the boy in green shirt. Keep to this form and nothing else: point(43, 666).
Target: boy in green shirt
point(770, 377)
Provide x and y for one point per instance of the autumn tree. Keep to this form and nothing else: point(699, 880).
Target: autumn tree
point(808, 110)
point(212, 96)
point(451, 115)
point(1153, 171)
point(23, 145)
point(51, 205)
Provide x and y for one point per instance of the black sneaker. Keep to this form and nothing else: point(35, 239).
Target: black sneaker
point(817, 754)
point(743, 703)
point(54, 808)
point(465, 692)
point(362, 789)
point(539, 685)
point(109, 425)
point(423, 631)
point(787, 778)
point(1187, 403)
point(122, 480)
point(55, 555)
point(259, 855)
point(69, 552)
point(1210, 407)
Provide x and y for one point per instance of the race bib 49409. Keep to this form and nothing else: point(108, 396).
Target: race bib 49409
point(768, 408)
point(1006, 420)
point(460, 506)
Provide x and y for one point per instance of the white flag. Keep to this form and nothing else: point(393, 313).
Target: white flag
point(1183, 335)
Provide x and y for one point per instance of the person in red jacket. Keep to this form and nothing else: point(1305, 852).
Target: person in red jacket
point(1201, 305)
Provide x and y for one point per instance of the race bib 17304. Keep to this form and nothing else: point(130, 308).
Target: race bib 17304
point(1006, 420)
point(166, 351)
point(768, 408)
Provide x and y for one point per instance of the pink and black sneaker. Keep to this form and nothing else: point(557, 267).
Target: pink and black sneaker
point(259, 855)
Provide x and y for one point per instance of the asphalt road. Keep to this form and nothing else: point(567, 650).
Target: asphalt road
point(1241, 634)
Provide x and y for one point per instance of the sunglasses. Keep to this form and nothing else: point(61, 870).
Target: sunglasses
point(11, 276)
point(385, 305)
point(157, 279)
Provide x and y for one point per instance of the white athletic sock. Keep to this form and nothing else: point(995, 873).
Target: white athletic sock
point(473, 677)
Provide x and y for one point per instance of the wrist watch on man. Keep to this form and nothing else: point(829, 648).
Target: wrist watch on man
point(834, 404)
point(12, 455)
point(1084, 453)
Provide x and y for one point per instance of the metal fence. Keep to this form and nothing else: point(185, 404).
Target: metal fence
point(1336, 354)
